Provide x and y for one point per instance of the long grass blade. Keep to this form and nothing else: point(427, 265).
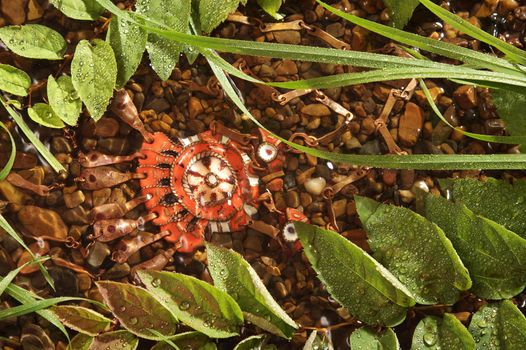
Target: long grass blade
point(417, 162)
point(11, 232)
point(32, 306)
point(9, 165)
point(44, 152)
point(24, 296)
point(13, 273)
point(472, 57)
point(513, 53)
point(511, 140)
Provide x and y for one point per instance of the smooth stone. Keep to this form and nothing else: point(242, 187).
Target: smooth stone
point(466, 97)
point(101, 196)
point(315, 186)
point(106, 127)
point(371, 147)
point(98, 252)
point(12, 194)
point(74, 199)
point(293, 199)
point(195, 107)
point(42, 222)
point(286, 67)
point(14, 11)
point(34, 10)
point(117, 271)
point(60, 144)
point(316, 110)
point(288, 37)
point(77, 216)
point(410, 125)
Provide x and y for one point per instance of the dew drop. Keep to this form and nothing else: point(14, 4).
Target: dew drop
point(156, 282)
point(122, 308)
point(184, 305)
point(134, 320)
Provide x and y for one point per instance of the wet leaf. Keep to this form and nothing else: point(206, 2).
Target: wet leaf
point(118, 340)
point(82, 319)
point(359, 283)
point(271, 7)
point(94, 72)
point(136, 309)
point(14, 80)
point(510, 107)
point(213, 12)
point(255, 342)
point(415, 250)
point(43, 114)
point(367, 338)
point(128, 41)
point(164, 53)
point(63, 99)
point(187, 340)
point(499, 326)
point(86, 10)
point(34, 41)
point(195, 303)
point(494, 256)
point(401, 11)
point(234, 275)
point(318, 341)
point(497, 200)
point(80, 342)
point(447, 333)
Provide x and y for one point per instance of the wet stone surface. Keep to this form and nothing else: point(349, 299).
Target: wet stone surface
point(186, 105)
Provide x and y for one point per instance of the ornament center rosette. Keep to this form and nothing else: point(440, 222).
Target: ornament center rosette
point(199, 182)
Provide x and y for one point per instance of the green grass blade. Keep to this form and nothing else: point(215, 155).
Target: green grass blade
point(417, 162)
point(12, 274)
point(435, 46)
point(283, 51)
point(11, 232)
point(32, 306)
point(9, 165)
point(44, 152)
point(511, 140)
point(24, 296)
point(513, 53)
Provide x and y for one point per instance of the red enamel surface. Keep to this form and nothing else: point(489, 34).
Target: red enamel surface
point(199, 182)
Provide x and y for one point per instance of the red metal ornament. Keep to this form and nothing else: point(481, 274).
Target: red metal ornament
point(197, 182)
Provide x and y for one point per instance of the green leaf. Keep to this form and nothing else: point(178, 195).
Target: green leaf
point(80, 342)
point(318, 341)
point(163, 53)
point(213, 12)
point(494, 256)
point(94, 73)
point(499, 326)
point(510, 106)
point(136, 309)
point(494, 199)
point(34, 41)
point(401, 11)
point(448, 333)
point(82, 319)
point(118, 340)
point(14, 80)
point(271, 7)
point(512, 53)
point(234, 275)
point(35, 141)
point(87, 10)
point(360, 284)
point(195, 303)
point(11, 161)
point(63, 99)
point(368, 338)
point(128, 41)
point(255, 342)
point(187, 340)
point(43, 114)
point(415, 250)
